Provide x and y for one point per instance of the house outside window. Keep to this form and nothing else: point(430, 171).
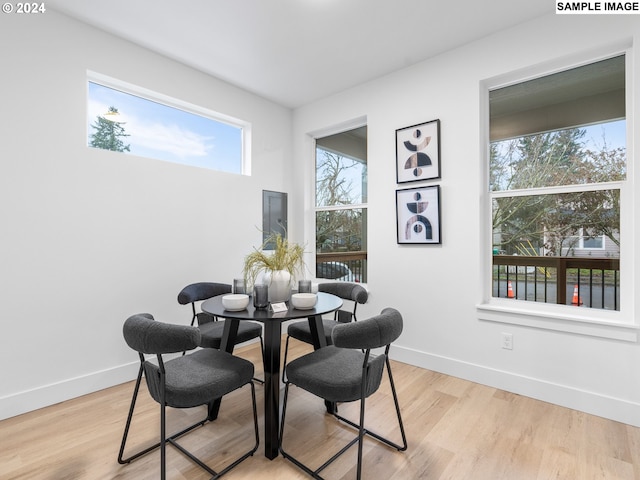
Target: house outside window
point(585, 241)
point(341, 206)
point(557, 165)
point(592, 242)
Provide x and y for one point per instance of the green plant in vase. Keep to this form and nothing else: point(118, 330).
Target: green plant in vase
point(279, 266)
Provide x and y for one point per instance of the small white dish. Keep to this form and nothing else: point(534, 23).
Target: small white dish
point(304, 301)
point(235, 302)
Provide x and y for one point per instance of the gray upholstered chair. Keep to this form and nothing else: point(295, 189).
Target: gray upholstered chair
point(210, 327)
point(185, 381)
point(352, 292)
point(347, 371)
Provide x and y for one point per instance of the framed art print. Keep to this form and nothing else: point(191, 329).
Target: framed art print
point(418, 152)
point(418, 215)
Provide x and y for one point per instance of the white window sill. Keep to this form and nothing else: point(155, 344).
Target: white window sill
point(577, 320)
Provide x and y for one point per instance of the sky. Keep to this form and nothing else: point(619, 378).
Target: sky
point(166, 133)
point(614, 133)
point(353, 176)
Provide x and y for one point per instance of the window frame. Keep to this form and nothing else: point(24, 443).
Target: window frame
point(619, 325)
point(175, 103)
point(582, 237)
point(311, 229)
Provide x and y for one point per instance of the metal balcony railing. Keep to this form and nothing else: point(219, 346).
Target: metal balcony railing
point(344, 266)
point(579, 281)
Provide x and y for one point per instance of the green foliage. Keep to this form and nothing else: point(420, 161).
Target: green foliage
point(341, 229)
point(285, 256)
point(554, 221)
point(108, 133)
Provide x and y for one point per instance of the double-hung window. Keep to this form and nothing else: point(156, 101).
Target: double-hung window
point(341, 206)
point(557, 165)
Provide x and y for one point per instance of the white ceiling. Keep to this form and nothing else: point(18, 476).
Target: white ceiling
point(296, 51)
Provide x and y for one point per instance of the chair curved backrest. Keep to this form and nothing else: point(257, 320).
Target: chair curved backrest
point(185, 381)
point(196, 292)
point(144, 335)
point(378, 331)
point(202, 291)
point(346, 290)
point(347, 371)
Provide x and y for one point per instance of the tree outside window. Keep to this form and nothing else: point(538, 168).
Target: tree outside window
point(108, 132)
point(551, 224)
point(341, 213)
point(557, 165)
point(126, 118)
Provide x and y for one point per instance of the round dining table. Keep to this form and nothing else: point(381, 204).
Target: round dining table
point(272, 321)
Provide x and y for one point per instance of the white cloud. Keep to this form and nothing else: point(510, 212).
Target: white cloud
point(174, 139)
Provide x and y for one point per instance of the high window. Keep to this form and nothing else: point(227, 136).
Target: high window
point(557, 166)
point(128, 119)
point(341, 206)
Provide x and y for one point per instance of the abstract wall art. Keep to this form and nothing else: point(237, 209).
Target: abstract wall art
point(418, 152)
point(418, 215)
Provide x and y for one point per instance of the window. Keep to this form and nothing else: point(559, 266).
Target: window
point(341, 206)
point(128, 119)
point(592, 242)
point(586, 242)
point(557, 166)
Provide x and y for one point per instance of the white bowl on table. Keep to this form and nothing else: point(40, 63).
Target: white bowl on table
point(235, 301)
point(304, 301)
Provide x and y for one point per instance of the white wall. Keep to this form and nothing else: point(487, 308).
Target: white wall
point(90, 237)
point(437, 288)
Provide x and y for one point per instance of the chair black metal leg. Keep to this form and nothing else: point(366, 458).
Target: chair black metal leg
point(380, 438)
point(359, 439)
point(261, 382)
point(239, 459)
point(361, 432)
point(397, 405)
point(255, 447)
point(121, 460)
point(314, 473)
point(284, 412)
point(194, 459)
point(294, 460)
point(129, 459)
point(284, 365)
point(164, 440)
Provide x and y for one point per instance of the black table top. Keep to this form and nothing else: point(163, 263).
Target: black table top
point(326, 303)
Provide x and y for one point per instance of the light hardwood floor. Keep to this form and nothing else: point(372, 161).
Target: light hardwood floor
point(456, 430)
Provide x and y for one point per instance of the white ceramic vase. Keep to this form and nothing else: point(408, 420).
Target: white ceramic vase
point(279, 282)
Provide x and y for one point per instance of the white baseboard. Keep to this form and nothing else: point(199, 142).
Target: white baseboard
point(29, 400)
point(612, 408)
point(616, 409)
point(47, 395)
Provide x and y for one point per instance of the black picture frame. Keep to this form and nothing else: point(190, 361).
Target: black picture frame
point(418, 152)
point(418, 215)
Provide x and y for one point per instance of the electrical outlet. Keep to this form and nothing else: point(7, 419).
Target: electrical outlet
point(507, 341)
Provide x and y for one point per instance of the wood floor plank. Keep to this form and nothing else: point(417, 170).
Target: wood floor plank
point(456, 429)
